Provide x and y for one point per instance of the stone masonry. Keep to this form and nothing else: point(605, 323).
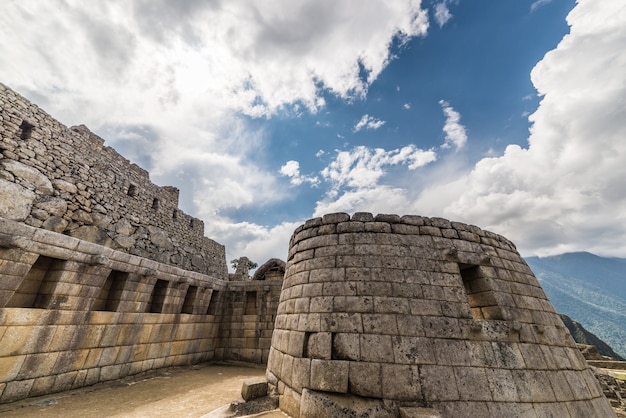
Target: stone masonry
point(101, 275)
point(66, 180)
point(412, 316)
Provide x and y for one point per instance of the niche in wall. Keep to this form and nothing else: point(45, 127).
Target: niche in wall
point(38, 285)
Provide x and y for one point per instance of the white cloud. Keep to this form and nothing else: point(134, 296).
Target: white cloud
point(363, 167)
point(291, 169)
point(455, 132)
point(167, 81)
point(378, 199)
point(442, 14)
point(368, 122)
point(406, 106)
point(259, 243)
point(566, 191)
point(538, 3)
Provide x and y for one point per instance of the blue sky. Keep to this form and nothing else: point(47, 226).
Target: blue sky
point(507, 114)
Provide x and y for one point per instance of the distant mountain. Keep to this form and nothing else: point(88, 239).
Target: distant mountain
point(582, 336)
point(589, 289)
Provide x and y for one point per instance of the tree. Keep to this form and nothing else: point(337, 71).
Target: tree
point(251, 264)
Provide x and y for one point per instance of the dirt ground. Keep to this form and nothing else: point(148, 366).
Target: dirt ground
point(190, 391)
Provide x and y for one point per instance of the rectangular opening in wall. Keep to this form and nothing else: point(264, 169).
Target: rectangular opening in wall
point(111, 293)
point(26, 129)
point(155, 204)
point(250, 306)
point(480, 295)
point(175, 214)
point(132, 190)
point(212, 310)
point(38, 285)
point(157, 299)
point(190, 299)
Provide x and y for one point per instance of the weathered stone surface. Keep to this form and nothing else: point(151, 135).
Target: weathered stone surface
point(317, 404)
point(54, 206)
point(417, 312)
point(70, 174)
point(253, 389)
point(15, 201)
point(31, 175)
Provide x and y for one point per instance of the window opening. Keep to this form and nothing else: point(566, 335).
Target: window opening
point(132, 190)
point(155, 203)
point(111, 293)
point(480, 295)
point(212, 310)
point(250, 307)
point(175, 214)
point(190, 299)
point(26, 129)
point(38, 285)
point(157, 299)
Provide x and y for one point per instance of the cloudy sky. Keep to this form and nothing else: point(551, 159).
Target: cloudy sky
point(506, 114)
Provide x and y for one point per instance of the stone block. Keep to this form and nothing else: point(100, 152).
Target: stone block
point(317, 404)
point(391, 305)
point(441, 327)
point(380, 324)
point(346, 346)
point(534, 386)
point(365, 379)
point(502, 385)
point(438, 383)
point(10, 367)
point(472, 384)
point(561, 388)
point(507, 356)
point(353, 304)
point(342, 322)
point(376, 348)
point(401, 382)
point(329, 375)
point(319, 345)
point(254, 389)
point(301, 374)
point(333, 218)
point(42, 386)
point(416, 412)
point(425, 307)
point(413, 350)
point(409, 325)
point(451, 352)
point(38, 365)
point(14, 340)
point(15, 390)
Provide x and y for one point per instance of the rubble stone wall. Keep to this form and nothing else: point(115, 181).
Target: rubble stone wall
point(420, 313)
point(67, 181)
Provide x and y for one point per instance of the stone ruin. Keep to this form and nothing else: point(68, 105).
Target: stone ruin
point(421, 317)
point(103, 276)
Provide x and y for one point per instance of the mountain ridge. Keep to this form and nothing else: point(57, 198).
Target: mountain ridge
point(590, 289)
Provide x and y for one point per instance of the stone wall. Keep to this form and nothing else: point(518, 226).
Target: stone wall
point(74, 313)
point(101, 275)
point(393, 315)
point(67, 181)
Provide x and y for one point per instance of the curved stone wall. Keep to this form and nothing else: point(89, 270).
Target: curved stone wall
point(387, 315)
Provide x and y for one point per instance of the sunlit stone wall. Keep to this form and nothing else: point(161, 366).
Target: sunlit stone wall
point(387, 313)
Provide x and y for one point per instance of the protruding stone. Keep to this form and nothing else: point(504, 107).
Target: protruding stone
point(254, 388)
